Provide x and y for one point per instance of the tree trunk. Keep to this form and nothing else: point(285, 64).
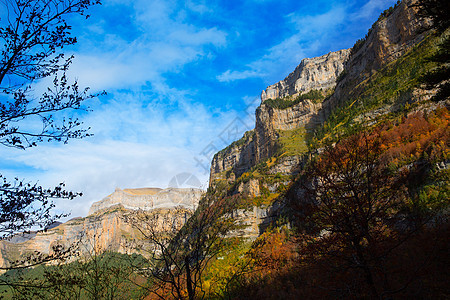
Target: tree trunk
point(367, 271)
point(191, 294)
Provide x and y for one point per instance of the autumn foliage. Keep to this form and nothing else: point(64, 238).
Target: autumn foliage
point(417, 135)
point(368, 219)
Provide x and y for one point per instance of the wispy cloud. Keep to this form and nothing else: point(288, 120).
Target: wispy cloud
point(135, 144)
point(229, 75)
point(163, 42)
point(167, 66)
point(312, 27)
point(371, 7)
point(311, 35)
point(310, 32)
point(145, 131)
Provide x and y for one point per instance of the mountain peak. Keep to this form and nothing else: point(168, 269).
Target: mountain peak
point(149, 198)
point(311, 74)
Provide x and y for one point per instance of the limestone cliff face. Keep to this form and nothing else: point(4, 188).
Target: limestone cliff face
point(319, 73)
point(269, 121)
point(312, 73)
point(239, 157)
point(389, 38)
point(261, 143)
point(102, 232)
point(148, 199)
point(105, 227)
point(339, 72)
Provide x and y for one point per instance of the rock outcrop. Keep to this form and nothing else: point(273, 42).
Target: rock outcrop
point(269, 121)
point(388, 39)
point(238, 157)
point(105, 227)
point(341, 75)
point(318, 73)
point(149, 199)
point(311, 74)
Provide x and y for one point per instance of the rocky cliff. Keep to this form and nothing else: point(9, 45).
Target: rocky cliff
point(337, 74)
point(263, 162)
point(261, 143)
point(318, 74)
point(105, 227)
point(149, 199)
point(388, 39)
point(311, 74)
point(272, 121)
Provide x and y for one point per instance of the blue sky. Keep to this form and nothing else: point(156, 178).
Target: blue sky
point(183, 79)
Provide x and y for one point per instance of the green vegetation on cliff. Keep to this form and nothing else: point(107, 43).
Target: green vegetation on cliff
point(374, 189)
point(384, 95)
point(363, 215)
point(360, 42)
point(292, 142)
point(245, 139)
point(315, 96)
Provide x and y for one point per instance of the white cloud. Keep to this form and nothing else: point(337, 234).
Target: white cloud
point(137, 142)
point(313, 27)
point(313, 33)
point(229, 75)
point(164, 42)
point(97, 168)
point(199, 7)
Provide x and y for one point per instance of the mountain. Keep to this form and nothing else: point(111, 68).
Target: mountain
point(311, 74)
point(339, 192)
point(148, 199)
point(344, 181)
point(105, 227)
point(266, 159)
point(289, 104)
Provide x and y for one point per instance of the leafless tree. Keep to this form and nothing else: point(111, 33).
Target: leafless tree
point(179, 253)
point(33, 34)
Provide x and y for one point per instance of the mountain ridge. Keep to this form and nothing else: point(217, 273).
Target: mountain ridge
point(289, 114)
point(106, 222)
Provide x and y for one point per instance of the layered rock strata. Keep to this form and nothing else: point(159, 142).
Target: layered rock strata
point(343, 73)
point(318, 73)
point(148, 199)
point(105, 227)
point(311, 74)
point(389, 38)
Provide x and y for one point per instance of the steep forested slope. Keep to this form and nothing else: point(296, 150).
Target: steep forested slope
point(353, 182)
